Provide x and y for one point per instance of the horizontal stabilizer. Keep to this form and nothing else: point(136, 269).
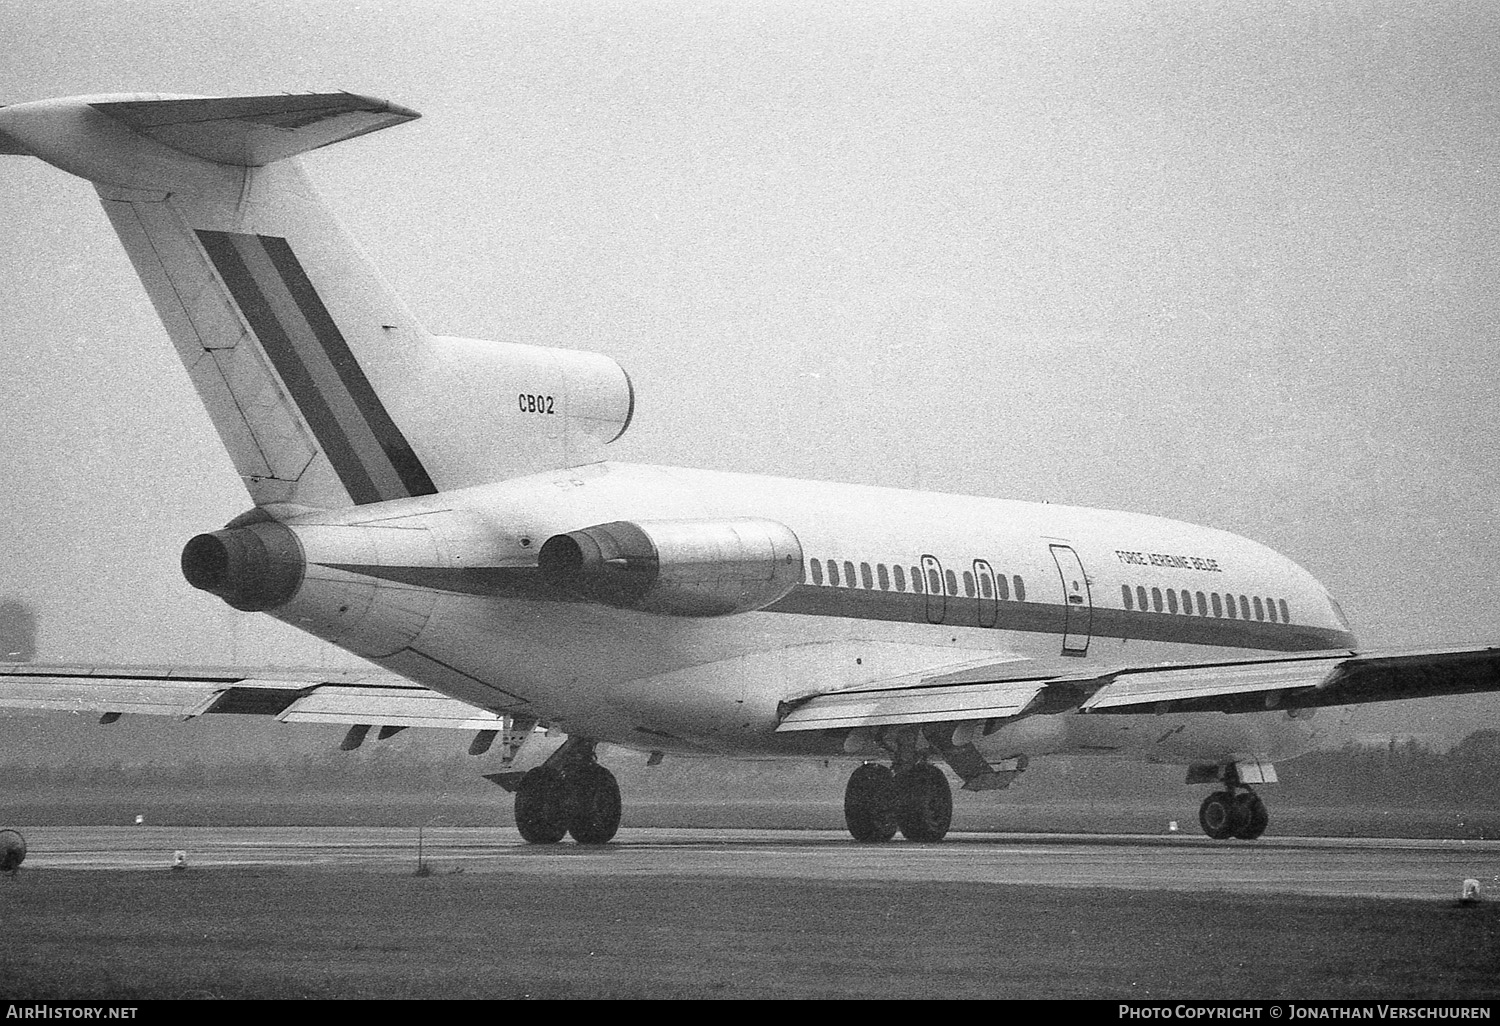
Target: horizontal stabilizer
point(252, 131)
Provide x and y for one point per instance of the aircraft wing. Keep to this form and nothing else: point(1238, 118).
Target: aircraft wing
point(292, 696)
point(1304, 681)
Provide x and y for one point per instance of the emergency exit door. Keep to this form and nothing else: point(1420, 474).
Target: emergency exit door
point(1078, 603)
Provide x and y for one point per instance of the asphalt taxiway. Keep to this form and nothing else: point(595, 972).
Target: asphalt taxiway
point(1428, 869)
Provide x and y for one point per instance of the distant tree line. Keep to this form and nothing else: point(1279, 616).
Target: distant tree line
point(1399, 775)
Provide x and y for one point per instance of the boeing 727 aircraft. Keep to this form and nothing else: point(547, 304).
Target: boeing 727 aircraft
point(445, 509)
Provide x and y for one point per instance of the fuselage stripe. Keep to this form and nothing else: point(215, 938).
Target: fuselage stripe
point(1051, 618)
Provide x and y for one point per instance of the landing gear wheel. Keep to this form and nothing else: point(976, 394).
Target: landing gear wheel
point(870, 804)
point(924, 803)
point(542, 806)
point(1216, 815)
point(1250, 816)
point(596, 804)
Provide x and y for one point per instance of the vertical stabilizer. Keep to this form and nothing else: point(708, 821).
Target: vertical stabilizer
point(325, 389)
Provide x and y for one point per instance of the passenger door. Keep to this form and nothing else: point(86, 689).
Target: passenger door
point(1078, 603)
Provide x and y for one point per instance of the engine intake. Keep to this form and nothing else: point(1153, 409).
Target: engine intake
point(253, 568)
point(677, 567)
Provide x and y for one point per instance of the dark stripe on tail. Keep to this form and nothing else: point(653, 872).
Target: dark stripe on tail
point(392, 442)
point(294, 374)
point(367, 450)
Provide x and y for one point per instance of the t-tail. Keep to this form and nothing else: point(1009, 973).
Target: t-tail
point(324, 387)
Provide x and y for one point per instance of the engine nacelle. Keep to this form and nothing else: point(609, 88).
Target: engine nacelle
point(677, 567)
point(254, 568)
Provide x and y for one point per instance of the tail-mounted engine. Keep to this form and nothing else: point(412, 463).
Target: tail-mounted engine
point(677, 567)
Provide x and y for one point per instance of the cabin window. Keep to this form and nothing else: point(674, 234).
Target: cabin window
point(1187, 602)
point(849, 579)
point(866, 575)
point(1286, 617)
point(1003, 585)
point(817, 571)
point(952, 583)
point(900, 577)
point(1244, 608)
point(1271, 610)
point(1260, 610)
point(1202, 605)
point(968, 584)
point(1126, 597)
point(986, 586)
point(1156, 599)
point(1020, 588)
point(885, 577)
point(833, 573)
point(916, 580)
point(1218, 605)
point(1140, 597)
point(934, 583)
point(1171, 601)
point(1229, 601)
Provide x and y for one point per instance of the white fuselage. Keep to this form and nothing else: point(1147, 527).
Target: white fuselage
point(421, 600)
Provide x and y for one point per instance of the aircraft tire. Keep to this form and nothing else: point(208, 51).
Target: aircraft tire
point(542, 806)
point(870, 804)
point(595, 814)
point(1251, 817)
point(924, 807)
point(1216, 815)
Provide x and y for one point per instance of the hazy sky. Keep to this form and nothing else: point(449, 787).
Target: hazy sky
point(1231, 263)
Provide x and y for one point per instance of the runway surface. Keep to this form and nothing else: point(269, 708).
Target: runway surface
point(1428, 869)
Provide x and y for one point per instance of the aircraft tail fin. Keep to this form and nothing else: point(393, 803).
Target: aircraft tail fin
point(321, 383)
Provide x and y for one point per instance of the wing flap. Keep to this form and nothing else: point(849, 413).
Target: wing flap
point(291, 695)
point(165, 697)
point(391, 707)
point(1152, 687)
point(919, 704)
point(1345, 678)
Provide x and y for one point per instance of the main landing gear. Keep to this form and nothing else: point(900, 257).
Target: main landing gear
point(917, 800)
point(1240, 814)
point(570, 795)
